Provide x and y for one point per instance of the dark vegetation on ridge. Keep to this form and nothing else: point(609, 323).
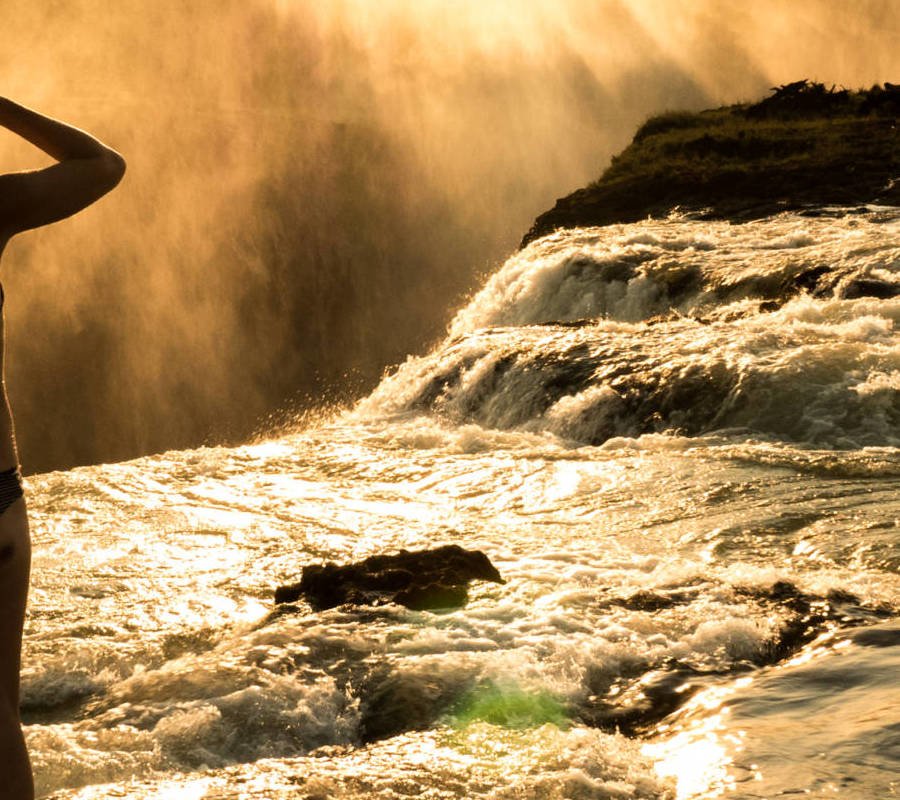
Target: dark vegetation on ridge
point(805, 145)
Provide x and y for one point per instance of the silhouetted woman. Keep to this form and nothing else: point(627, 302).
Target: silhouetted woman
point(86, 171)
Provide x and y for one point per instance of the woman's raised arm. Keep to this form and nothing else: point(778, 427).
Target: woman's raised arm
point(86, 171)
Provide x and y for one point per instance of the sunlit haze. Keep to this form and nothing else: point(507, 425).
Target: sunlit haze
point(314, 187)
point(336, 489)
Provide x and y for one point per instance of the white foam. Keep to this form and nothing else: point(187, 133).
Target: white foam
point(625, 271)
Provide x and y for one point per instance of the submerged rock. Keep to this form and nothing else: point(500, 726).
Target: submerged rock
point(810, 616)
point(870, 287)
point(422, 579)
point(395, 701)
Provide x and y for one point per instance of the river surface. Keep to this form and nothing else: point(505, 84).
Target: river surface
point(677, 441)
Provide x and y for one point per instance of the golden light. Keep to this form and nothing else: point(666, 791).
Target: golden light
point(414, 140)
point(698, 757)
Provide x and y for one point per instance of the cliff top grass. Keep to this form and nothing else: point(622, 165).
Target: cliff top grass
point(804, 146)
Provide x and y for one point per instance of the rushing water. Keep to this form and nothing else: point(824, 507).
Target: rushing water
point(677, 440)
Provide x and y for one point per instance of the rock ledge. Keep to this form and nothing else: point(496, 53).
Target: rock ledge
point(422, 579)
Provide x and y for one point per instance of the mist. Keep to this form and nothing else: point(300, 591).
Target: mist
point(314, 187)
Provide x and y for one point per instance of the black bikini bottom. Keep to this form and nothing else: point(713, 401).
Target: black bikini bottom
point(10, 487)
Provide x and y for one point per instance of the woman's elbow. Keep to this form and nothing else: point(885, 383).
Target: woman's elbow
point(113, 169)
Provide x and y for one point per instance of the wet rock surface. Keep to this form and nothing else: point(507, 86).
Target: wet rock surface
point(643, 697)
point(634, 699)
point(422, 579)
point(392, 703)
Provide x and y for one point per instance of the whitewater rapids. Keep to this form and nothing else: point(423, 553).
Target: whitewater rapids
point(678, 442)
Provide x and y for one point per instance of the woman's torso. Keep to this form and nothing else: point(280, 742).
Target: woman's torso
point(8, 457)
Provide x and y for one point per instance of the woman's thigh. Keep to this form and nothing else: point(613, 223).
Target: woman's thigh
point(15, 566)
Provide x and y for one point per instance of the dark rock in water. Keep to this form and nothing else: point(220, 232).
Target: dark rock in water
point(809, 281)
point(394, 702)
point(810, 616)
point(870, 287)
point(423, 579)
point(646, 600)
point(645, 693)
point(433, 595)
point(877, 637)
point(648, 701)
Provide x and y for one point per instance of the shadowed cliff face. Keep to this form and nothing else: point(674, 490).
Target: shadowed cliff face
point(313, 188)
